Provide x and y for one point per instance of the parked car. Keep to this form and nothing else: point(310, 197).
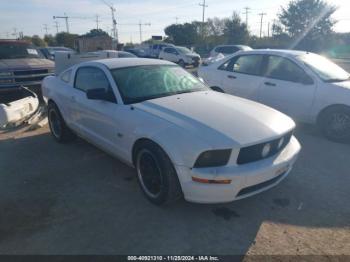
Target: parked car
point(180, 55)
point(137, 52)
point(21, 64)
point(182, 138)
point(228, 49)
point(49, 52)
point(155, 49)
point(306, 86)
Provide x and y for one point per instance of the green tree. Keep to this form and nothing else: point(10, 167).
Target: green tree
point(96, 32)
point(183, 34)
point(308, 23)
point(66, 39)
point(37, 41)
point(50, 40)
point(235, 31)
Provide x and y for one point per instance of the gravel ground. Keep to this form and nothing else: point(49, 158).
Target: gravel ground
point(75, 199)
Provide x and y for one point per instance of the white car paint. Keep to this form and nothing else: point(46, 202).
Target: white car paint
point(185, 126)
point(173, 54)
point(304, 102)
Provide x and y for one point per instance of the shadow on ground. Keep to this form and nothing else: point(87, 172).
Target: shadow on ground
point(75, 199)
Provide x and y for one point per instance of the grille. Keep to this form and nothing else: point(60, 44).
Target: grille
point(252, 189)
point(31, 72)
point(29, 79)
point(254, 153)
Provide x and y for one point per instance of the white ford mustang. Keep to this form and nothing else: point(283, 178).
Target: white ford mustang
point(182, 138)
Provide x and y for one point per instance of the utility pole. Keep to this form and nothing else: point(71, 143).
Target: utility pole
point(97, 21)
point(140, 28)
point(268, 29)
point(176, 19)
point(46, 28)
point(15, 32)
point(57, 25)
point(66, 18)
point(261, 22)
point(246, 13)
point(203, 5)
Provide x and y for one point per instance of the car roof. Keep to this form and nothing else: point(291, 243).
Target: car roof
point(128, 62)
point(282, 52)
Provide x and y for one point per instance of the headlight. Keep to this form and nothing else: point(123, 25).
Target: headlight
point(5, 74)
point(266, 150)
point(213, 158)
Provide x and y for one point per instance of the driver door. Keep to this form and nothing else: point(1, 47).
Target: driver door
point(97, 119)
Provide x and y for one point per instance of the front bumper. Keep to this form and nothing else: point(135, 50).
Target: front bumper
point(247, 180)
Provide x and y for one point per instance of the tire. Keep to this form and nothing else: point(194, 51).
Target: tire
point(182, 63)
point(59, 130)
point(335, 124)
point(156, 175)
point(217, 89)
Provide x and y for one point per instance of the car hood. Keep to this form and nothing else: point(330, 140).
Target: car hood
point(345, 84)
point(25, 63)
point(219, 119)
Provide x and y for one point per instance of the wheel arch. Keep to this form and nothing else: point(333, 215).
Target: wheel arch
point(330, 107)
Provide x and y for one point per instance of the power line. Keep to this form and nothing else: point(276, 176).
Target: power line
point(261, 22)
point(63, 17)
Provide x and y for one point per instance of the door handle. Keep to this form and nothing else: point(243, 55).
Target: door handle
point(231, 77)
point(269, 84)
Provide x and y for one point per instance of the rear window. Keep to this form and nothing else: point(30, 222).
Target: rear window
point(18, 50)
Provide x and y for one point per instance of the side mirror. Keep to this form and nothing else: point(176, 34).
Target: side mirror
point(101, 94)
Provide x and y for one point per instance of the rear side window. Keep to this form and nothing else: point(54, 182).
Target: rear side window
point(91, 78)
point(245, 64)
point(66, 76)
point(227, 49)
point(283, 69)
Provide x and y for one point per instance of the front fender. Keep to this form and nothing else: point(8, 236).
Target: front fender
point(182, 147)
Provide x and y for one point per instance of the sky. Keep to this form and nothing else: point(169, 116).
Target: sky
point(31, 16)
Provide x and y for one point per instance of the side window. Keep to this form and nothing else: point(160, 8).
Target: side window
point(65, 77)
point(167, 50)
point(284, 69)
point(91, 78)
point(245, 64)
point(219, 49)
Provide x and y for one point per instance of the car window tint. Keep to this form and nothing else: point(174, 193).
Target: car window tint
point(247, 64)
point(65, 77)
point(283, 69)
point(91, 78)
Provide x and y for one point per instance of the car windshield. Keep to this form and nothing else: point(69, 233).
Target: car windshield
point(18, 50)
point(141, 83)
point(325, 69)
point(184, 50)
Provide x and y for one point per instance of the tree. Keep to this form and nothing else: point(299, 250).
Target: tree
point(308, 22)
point(66, 39)
point(183, 34)
point(50, 40)
point(235, 31)
point(96, 32)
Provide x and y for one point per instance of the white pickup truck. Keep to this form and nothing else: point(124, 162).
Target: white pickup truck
point(182, 138)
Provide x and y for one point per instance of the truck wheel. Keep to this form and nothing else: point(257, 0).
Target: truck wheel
point(156, 175)
point(335, 124)
point(58, 127)
point(182, 63)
